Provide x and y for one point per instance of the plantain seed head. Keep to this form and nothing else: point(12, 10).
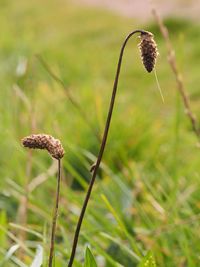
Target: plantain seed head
point(44, 141)
point(148, 49)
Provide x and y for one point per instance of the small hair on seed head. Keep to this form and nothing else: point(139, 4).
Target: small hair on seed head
point(148, 49)
point(44, 141)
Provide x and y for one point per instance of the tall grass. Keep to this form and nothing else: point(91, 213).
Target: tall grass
point(150, 174)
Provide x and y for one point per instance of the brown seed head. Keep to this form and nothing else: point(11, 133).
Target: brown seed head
point(148, 49)
point(44, 141)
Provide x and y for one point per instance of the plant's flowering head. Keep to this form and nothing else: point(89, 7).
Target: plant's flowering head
point(148, 49)
point(44, 141)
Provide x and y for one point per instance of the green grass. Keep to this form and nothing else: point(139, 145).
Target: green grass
point(147, 194)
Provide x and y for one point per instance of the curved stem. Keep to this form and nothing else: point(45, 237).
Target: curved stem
point(55, 215)
point(103, 143)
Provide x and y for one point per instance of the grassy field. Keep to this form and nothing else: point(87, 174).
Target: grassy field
point(147, 196)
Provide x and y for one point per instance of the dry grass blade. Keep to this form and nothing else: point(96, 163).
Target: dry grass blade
point(22, 215)
point(178, 76)
point(41, 178)
point(68, 94)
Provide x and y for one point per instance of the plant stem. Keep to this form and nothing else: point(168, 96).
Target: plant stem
point(179, 80)
point(102, 147)
point(55, 215)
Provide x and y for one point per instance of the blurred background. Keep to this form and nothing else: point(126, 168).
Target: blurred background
point(57, 64)
point(141, 10)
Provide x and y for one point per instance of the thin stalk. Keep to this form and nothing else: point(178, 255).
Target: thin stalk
point(102, 147)
point(55, 216)
point(179, 80)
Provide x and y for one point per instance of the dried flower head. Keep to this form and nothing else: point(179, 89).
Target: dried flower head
point(44, 141)
point(148, 49)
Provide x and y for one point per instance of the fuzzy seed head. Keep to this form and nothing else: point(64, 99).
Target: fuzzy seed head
point(148, 49)
point(44, 141)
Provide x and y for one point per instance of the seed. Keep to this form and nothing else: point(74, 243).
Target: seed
point(148, 49)
point(44, 141)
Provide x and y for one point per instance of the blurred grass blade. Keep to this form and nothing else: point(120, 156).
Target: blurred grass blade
point(102, 251)
point(15, 239)
point(3, 222)
point(121, 224)
point(11, 258)
point(11, 251)
point(37, 262)
point(20, 227)
point(122, 246)
point(89, 259)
